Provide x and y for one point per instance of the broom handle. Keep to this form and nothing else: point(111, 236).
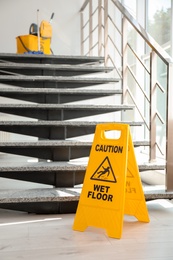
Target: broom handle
point(38, 33)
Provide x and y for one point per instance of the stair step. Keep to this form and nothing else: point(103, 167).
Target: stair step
point(58, 174)
point(59, 111)
point(50, 69)
point(54, 81)
point(64, 123)
point(38, 166)
point(65, 194)
point(57, 96)
point(141, 143)
point(58, 143)
point(49, 59)
point(53, 150)
point(151, 166)
point(54, 129)
point(62, 166)
point(61, 200)
point(48, 201)
point(67, 91)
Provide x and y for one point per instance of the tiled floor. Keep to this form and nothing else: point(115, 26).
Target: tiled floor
point(47, 237)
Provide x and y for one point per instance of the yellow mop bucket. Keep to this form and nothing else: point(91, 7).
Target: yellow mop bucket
point(29, 43)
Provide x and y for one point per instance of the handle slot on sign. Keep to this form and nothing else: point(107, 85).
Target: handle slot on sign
point(112, 134)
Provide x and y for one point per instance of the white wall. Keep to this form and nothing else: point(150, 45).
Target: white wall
point(16, 17)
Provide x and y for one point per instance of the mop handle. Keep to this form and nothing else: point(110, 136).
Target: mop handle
point(38, 33)
point(51, 18)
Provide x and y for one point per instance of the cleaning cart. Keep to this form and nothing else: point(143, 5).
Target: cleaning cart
point(38, 40)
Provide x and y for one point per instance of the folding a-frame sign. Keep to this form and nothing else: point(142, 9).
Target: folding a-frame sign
point(112, 185)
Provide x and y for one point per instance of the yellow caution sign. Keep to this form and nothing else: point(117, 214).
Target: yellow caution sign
point(112, 185)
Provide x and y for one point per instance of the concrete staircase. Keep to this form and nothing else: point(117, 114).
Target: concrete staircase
point(56, 102)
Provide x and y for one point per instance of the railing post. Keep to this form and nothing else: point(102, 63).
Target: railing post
point(124, 58)
point(90, 28)
point(99, 27)
point(169, 141)
point(153, 80)
point(106, 31)
point(82, 33)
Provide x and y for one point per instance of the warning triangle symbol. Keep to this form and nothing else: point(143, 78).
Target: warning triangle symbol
point(104, 172)
point(130, 174)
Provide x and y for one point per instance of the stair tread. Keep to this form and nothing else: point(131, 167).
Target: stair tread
point(36, 195)
point(148, 166)
point(66, 194)
point(66, 106)
point(57, 143)
point(45, 143)
point(43, 166)
point(62, 166)
point(59, 91)
point(62, 123)
point(65, 67)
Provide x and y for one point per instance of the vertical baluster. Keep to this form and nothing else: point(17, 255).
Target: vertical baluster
point(82, 33)
point(99, 27)
point(169, 150)
point(90, 29)
point(153, 80)
point(106, 31)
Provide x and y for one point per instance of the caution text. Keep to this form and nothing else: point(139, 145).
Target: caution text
point(108, 148)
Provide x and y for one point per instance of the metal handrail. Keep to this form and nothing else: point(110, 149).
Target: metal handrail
point(143, 33)
point(84, 6)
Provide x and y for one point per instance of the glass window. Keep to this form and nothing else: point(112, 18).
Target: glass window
point(159, 27)
point(159, 20)
point(131, 6)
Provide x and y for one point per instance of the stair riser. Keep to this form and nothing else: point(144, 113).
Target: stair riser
point(43, 207)
point(49, 153)
point(49, 114)
point(57, 179)
point(41, 72)
point(52, 98)
point(48, 84)
point(48, 132)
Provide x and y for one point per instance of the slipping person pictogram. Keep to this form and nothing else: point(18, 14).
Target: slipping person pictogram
point(104, 172)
